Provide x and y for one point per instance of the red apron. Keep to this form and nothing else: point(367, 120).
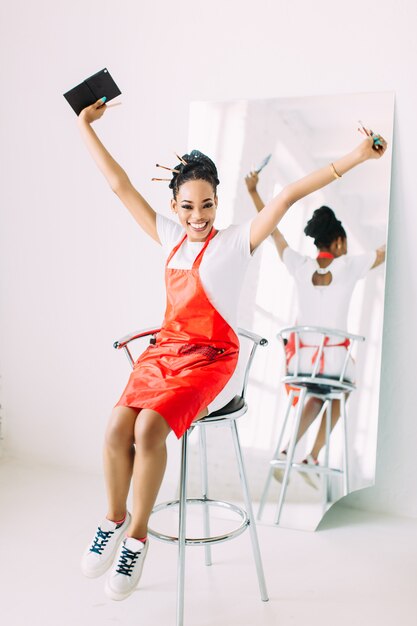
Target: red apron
point(194, 356)
point(290, 351)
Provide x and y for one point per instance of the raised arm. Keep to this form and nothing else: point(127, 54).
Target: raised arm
point(265, 222)
point(115, 175)
point(251, 181)
point(380, 256)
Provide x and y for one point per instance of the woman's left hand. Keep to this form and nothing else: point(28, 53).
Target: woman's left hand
point(93, 112)
point(373, 147)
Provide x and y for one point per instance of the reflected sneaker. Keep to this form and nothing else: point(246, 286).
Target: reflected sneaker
point(100, 554)
point(279, 472)
point(311, 479)
point(127, 569)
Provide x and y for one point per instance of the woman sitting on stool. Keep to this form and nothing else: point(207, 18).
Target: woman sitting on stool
point(324, 288)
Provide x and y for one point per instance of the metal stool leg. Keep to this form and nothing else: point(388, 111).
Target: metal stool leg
point(181, 530)
point(275, 456)
point(328, 404)
point(290, 454)
point(204, 490)
point(248, 505)
point(345, 445)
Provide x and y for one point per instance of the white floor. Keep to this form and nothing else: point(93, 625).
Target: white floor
point(357, 569)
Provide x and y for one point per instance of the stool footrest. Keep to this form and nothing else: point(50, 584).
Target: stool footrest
point(303, 467)
point(203, 541)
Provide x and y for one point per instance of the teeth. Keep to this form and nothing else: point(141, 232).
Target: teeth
point(198, 226)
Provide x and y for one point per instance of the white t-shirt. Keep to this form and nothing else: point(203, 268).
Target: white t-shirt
point(222, 272)
point(223, 266)
point(326, 306)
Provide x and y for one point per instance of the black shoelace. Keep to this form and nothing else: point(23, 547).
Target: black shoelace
point(127, 561)
point(100, 540)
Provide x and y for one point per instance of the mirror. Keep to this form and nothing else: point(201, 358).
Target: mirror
point(301, 134)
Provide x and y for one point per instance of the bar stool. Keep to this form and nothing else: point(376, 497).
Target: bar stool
point(225, 416)
point(304, 384)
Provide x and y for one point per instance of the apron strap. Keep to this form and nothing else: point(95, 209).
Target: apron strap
point(198, 258)
point(173, 251)
point(327, 344)
point(290, 349)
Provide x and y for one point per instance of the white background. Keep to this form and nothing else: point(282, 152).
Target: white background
point(75, 271)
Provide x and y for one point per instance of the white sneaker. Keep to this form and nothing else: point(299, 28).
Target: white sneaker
point(127, 569)
point(279, 471)
point(312, 479)
point(99, 555)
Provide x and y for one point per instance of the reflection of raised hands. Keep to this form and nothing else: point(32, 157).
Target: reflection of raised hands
point(251, 181)
point(380, 256)
point(374, 145)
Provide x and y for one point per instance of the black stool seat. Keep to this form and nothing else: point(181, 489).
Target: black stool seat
point(319, 384)
point(321, 389)
point(235, 404)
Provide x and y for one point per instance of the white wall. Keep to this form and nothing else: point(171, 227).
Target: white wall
point(76, 273)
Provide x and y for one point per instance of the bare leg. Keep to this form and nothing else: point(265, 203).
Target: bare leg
point(311, 409)
point(135, 445)
point(321, 435)
point(151, 431)
point(118, 458)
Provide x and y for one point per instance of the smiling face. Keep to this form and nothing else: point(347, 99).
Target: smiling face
point(196, 205)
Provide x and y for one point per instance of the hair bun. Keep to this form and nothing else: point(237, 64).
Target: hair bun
point(324, 227)
point(198, 159)
point(197, 166)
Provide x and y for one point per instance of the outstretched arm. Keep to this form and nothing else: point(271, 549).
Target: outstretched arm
point(115, 175)
point(265, 222)
point(380, 256)
point(251, 181)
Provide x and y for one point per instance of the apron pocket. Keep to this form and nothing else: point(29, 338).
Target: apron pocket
point(209, 352)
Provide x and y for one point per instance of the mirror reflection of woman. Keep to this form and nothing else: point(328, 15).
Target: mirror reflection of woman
point(324, 287)
point(182, 376)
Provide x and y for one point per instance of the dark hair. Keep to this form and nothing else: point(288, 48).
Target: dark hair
point(198, 167)
point(324, 227)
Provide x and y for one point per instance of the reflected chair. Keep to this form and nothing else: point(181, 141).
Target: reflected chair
point(306, 384)
point(225, 416)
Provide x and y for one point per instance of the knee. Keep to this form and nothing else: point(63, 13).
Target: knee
point(312, 406)
point(120, 432)
point(150, 432)
point(317, 402)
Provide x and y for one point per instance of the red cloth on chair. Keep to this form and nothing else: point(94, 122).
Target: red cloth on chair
point(290, 350)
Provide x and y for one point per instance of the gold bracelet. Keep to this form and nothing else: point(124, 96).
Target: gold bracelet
point(335, 174)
